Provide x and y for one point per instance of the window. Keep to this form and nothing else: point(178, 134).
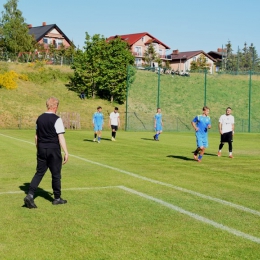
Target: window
point(138, 61)
point(155, 46)
point(138, 50)
point(143, 39)
point(194, 59)
point(59, 42)
point(46, 40)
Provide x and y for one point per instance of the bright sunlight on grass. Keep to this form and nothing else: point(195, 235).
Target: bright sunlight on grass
point(133, 199)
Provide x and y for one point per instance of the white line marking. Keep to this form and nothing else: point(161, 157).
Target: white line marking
point(10, 192)
point(166, 204)
point(68, 189)
point(195, 216)
point(223, 202)
point(18, 139)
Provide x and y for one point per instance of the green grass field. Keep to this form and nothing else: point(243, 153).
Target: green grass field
point(133, 199)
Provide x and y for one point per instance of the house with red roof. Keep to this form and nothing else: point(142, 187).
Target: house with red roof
point(181, 61)
point(139, 42)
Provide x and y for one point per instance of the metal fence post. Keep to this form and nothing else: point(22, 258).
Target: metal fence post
point(205, 87)
point(126, 103)
point(249, 101)
point(158, 94)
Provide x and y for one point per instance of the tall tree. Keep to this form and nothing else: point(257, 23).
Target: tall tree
point(101, 68)
point(116, 58)
point(254, 57)
point(87, 64)
point(151, 56)
point(230, 60)
point(14, 30)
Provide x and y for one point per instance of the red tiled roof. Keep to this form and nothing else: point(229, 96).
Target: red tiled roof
point(133, 38)
point(189, 54)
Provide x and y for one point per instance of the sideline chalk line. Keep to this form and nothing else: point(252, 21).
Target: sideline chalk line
point(223, 202)
point(168, 205)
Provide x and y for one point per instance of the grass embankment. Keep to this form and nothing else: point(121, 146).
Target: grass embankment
point(24, 104)
point(183, 97)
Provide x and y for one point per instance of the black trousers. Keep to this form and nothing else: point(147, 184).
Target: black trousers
point(48, 159)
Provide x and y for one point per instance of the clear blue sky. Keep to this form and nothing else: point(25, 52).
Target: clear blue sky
point(186, 25)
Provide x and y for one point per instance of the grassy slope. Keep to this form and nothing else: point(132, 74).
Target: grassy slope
point(180, 97)
point(184, 96)
point(28, 101)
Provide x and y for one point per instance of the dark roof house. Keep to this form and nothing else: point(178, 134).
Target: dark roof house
point(219, 54)
point(49, 34)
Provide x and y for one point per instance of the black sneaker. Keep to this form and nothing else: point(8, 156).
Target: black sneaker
point(29, 202)
point(59, 201)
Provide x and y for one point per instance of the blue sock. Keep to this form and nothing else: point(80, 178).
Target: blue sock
point(200, 157)
point(156, 136)
point(99, 138)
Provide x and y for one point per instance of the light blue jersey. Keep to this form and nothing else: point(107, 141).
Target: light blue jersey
point(98, 120)
point(158, 122)
point(202, 123)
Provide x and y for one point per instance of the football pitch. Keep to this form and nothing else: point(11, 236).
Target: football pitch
point(133, 199)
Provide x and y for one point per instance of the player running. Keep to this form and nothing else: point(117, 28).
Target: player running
point(201, 124)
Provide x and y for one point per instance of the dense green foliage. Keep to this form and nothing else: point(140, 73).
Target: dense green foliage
point(245, 59)
point(124, 199)
point(101, 68)
point(16, 44)
point(14, 31)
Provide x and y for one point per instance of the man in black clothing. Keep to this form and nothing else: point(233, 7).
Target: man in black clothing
point(48, 139)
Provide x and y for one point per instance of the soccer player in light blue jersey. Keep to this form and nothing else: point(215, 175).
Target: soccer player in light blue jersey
point(98, 122)
point(158, 124)
point(201, 124)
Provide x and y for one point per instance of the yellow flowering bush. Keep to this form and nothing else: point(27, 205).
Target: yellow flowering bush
point(8, 79)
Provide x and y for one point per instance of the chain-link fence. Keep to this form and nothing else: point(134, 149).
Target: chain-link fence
point(181, 98)
point(53, 59)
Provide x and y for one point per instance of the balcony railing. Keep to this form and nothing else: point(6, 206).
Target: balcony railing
point(137, 54)
point(163, 57)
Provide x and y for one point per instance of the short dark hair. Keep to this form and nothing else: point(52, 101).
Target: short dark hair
point(205, 108)
point(99, 107)
point(116, 108)
point(228, 108)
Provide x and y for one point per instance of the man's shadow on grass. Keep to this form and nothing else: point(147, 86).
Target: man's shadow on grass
point(39, 193)
point(91, 140)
